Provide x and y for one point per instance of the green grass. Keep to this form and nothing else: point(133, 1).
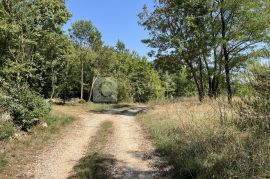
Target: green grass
point(7, 129)
point(96, 164)
point(201, 144)
point(56, 121)
point(3, 162)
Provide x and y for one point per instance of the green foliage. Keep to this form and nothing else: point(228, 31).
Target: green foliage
point(255, 111)
point(25, 106)
point(56, 121)
point(211, 39)
point(145, 81)
point(33, 55)
point(7, 130)
point(85, 35)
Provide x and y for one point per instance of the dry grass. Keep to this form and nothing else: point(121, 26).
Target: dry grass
point(202, 141)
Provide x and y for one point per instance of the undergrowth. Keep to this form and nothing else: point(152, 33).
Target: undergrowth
point(7, 129)
point(201, 140)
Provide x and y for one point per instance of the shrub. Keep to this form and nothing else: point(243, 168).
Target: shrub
point(82, 101)
point(25, 106)
point(6, 130)
point(255, 111)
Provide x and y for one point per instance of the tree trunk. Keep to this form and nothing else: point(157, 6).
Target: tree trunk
point(82, 69)
point(199, 88)
point(52, 94)
point(91, 89)
point(226, 56)
point(228, 82)
point(201, 79)
point(210, 79)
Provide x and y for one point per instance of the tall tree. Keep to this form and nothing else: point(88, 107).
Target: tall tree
point(24, 24)
point(208, 35)
point(85, 36)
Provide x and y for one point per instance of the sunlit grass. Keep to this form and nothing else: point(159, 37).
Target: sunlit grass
point(201, 140)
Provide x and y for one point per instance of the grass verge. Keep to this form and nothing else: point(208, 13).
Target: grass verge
point(96, 164)
point(7, 129)
point(201, 140)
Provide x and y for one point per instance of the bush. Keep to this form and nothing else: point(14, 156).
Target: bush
point(6, 130)
point(25, 106)
point(255, 111)
point(82, 101)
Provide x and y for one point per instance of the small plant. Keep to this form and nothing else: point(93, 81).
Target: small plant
point(82, 101)
point(3, 161)
point(6, 130)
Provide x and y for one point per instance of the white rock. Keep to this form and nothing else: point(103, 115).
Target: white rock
point(5, 117)
point(44, 125)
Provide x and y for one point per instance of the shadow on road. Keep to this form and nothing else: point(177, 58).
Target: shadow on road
point(127, 111)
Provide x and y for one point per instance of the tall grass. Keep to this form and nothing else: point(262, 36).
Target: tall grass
point(201, 140)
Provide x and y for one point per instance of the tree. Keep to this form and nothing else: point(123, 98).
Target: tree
point(145, 81)
point(210, 37)
point(26, 55)
point(244, 29)
point(168, 85)
point(85, 36)
point(120, 46)
point(175, 27)
point(24, 23)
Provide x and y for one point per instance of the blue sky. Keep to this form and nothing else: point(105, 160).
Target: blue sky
point(115, 19)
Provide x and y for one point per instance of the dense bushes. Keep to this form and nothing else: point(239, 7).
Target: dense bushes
point(25, 106)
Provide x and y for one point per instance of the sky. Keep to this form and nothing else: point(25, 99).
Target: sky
point(115, 19)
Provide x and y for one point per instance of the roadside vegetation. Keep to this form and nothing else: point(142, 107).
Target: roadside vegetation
point(14, 151)
point(212, 139)
point(96, 164)
point(203, 140)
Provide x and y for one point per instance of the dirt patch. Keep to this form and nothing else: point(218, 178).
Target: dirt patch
point(127, 153)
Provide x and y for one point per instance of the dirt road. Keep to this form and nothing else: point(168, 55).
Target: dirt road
point(128, 146)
